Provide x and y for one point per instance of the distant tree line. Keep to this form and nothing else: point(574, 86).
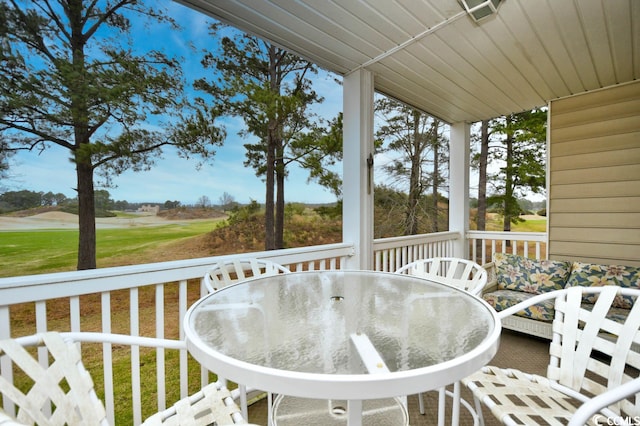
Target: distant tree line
point(23, 200)
point(12, 201)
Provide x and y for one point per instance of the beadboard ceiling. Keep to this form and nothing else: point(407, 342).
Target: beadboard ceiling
point(433, 56)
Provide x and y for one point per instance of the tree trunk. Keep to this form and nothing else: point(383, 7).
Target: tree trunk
point(82, 143)
point(269, 214)
point(508, 184)
point(272, 138)
point(86, 216)
point(411, 220)
point(436, 174)
point(481, 218)
point(280, 178)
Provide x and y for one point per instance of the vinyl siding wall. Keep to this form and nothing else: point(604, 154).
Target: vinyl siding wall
point(594, 177)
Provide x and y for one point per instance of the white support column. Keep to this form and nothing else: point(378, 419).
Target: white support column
point(357, 176)
point(459, 153)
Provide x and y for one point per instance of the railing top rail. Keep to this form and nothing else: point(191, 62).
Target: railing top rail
point(75, 283)
point(14, 289)
point(392, 242)
point(504, 235)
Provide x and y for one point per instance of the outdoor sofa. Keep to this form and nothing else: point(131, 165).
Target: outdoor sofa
point(512, 279)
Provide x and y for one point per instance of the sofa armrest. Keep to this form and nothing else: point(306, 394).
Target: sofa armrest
point(492, 281)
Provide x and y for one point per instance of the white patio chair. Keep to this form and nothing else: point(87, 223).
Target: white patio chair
point(45, 400)
point(590, 356)
point(224, 273)
point(213, 404)
point(460, 273)
point(228, 272)
point(59, 390)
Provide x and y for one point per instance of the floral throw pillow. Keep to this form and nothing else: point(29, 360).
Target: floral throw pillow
point(590, 275)
point(519, 273)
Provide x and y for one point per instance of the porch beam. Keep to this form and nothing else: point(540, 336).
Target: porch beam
point(459, 153)
point(357, 176)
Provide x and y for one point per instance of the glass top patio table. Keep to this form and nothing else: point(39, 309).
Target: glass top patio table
point(349, 335)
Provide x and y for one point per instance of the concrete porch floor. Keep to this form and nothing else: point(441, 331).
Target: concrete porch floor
point(516, 350)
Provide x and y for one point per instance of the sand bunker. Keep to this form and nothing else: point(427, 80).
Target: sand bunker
point(60, 220)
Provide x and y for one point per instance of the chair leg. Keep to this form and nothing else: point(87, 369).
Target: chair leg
point(479, 410)
point(472, 412)
point(441, 405)
point(269, 408)
point(455, 409)
point(243, 401)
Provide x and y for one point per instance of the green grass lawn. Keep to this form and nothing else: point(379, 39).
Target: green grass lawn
point(54, 250)
point(531, 226)
point(495, 223)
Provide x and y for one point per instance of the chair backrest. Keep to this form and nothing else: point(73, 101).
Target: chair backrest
point(228, 272)
point(456, 272)
point(58, 390)
point(591, 352)
point(594, 405)
point(212, 405)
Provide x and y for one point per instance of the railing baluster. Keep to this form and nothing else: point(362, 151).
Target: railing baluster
point(41, 316)
point(484, 252)
point(5, 318)
point(134, 329)
point(74, 312)
point(182, 310)
point(160, 360)
point(107, 357)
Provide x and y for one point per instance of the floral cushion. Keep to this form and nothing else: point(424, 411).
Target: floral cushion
point(544, 311)
point(615, 314)
point(503, 299)
point(519, 273)
point(589, 275)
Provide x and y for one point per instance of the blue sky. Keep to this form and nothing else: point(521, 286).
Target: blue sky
point(174, 178)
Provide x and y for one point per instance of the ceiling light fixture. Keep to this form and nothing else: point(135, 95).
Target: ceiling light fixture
point(481, 9)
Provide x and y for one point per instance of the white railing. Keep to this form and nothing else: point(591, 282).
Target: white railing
point(389, 254)
point(393, 253)
point(151, 300)
point(483, 244)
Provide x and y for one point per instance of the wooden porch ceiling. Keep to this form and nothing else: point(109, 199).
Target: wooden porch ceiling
point(430, 54)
